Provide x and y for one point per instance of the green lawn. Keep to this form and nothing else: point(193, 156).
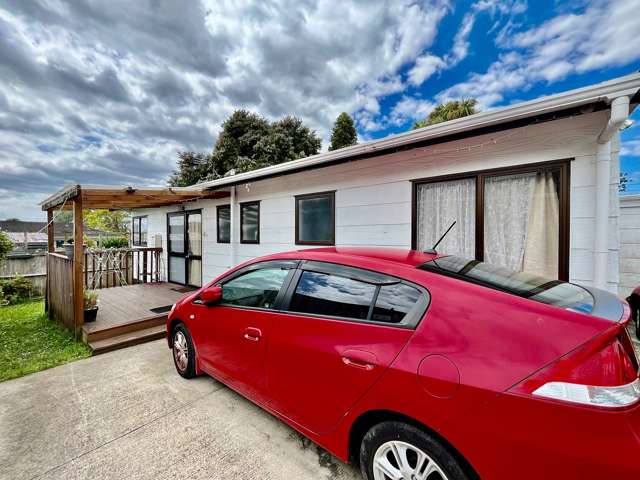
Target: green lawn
point(30, 342)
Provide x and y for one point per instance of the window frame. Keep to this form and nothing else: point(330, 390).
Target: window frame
point(562, 167)
point(138, 220)
point(218, 208)
point(331, 194)
point(410, 321)
point(243, 206)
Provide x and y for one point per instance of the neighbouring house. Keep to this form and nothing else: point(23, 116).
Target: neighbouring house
point(629, 243)
point(31, 237)
point(531, 186)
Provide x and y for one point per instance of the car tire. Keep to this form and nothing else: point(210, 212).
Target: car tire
point(385, 442)
point(184, 355)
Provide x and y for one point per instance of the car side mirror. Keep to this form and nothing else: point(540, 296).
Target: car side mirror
point(211, 295)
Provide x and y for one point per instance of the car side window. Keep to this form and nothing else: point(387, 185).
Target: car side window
point(332, 295)
point(256, 288)
point(394, 302)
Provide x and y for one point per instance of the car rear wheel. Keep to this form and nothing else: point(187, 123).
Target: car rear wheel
point(183, 351)
point(398, 451)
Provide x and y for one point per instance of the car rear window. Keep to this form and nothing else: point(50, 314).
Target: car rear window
point(394, 302)
point(552, 292)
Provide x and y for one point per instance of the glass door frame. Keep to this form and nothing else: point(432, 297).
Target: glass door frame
point(185, 254)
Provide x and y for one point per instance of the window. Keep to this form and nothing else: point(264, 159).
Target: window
point(331, 295)
point(394, 302)
point(139, 231)
point(515, 218)
point(257, 288)
point(224, 223)
point(315, 219)
point(250, 222)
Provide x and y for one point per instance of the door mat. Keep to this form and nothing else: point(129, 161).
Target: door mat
point(164, 309)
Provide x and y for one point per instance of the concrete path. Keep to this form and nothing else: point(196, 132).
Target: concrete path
point(128, 414)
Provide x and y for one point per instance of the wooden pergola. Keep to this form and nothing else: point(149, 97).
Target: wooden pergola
point(65, 292)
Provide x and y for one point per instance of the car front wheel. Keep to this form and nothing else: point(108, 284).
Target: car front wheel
point(183, 351)
point(398, 451)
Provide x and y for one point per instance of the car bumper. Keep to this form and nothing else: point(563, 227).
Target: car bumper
point(528, 438)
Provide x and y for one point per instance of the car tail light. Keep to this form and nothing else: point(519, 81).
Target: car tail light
point(601, 373)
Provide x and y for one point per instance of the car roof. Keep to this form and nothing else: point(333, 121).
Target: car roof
point(361, 255)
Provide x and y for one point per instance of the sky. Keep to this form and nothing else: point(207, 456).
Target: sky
point(107, 93)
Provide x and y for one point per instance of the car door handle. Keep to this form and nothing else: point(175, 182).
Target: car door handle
point(253, 334)
point(359, 359)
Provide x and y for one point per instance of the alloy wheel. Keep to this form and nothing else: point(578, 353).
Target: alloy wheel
point(181, 351)
point(397, 460)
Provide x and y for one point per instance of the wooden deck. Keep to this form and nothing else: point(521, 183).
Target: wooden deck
point(126, 316)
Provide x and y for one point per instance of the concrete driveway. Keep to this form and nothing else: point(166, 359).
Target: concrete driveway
point(127, 414)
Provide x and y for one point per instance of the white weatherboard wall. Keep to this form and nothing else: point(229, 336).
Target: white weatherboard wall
point(373, 196)
point(629, 243)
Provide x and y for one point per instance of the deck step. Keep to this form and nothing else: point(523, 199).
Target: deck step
point(127, 339)
point(90, 336)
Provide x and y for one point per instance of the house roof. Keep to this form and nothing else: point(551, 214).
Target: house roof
point(572, 102)
point(16, 229)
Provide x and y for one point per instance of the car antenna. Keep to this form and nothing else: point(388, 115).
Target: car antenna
point(432, 250)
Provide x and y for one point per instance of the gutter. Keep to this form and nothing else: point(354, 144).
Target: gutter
point(619, 113)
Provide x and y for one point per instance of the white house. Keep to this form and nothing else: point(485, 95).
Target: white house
point(531, 186)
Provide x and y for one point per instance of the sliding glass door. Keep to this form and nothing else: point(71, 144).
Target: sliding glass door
point(184, 246)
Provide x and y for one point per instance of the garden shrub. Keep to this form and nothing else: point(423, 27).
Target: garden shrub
point(15, 290)
point(115, 242)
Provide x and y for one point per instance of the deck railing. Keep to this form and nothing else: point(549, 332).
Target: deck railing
point(118, 267)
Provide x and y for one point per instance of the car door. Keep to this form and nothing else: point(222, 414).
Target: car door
point(232, 336)
point(336, 339)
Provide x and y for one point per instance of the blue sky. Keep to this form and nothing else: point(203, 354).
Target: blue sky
point(108, 93)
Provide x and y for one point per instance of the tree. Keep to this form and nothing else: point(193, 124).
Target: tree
point(116, 221)
point(622, 186)
point(344, 132)
point(192, 167)
point(248, 141)
point(449, 111)
point(6, 245)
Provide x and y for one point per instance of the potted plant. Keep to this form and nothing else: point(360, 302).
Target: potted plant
point(90, 305)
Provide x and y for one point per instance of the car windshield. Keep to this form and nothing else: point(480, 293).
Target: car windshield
point(552, 292)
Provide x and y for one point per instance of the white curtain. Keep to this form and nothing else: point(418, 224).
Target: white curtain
point(521, 223)
point(543, 230)
point(438, 205)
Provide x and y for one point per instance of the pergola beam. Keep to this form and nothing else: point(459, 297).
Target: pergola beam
point(123, 198)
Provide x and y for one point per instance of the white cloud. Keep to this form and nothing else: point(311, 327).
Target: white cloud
point(410, 109)
point(604, 35)
point(425, 66)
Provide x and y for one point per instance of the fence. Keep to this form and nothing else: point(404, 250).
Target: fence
point(30, 266)
point(60, 302)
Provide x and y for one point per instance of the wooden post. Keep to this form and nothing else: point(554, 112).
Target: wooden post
point(51, 244)
point(51, 247)
point(78, 261)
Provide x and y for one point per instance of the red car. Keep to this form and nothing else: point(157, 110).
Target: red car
point(423, 366)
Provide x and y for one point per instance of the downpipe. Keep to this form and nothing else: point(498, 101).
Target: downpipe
point(619, 113)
